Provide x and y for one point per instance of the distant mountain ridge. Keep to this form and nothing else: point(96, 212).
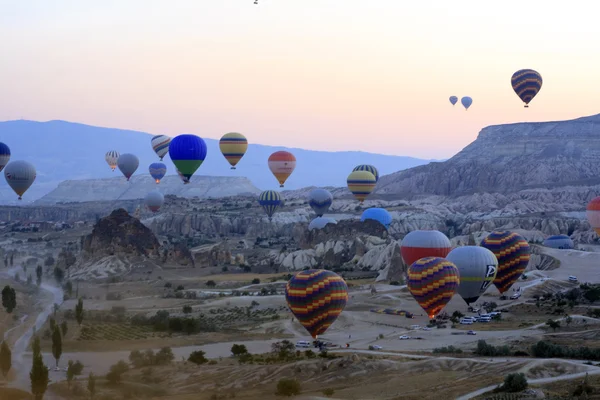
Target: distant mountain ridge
point(64, 151)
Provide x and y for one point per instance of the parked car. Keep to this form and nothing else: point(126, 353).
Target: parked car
point(376, 347)
point(572, 278)
point(515, 296)
point(471, 333)
point(404, 337)
point(466, 321)
point(426, 328)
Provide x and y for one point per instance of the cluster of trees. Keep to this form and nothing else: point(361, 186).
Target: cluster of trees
point(544, 349)
point(163, 322)
point(488, 350)
point(149, 358)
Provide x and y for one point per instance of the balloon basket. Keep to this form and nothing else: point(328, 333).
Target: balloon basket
point(280, 186)
point(232, 167)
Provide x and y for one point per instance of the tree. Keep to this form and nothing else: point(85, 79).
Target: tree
point(9, 299)
point(5, 358)
point(35, 346)
point(187, 309)
point(39, 273)
point(79, 311)
point(211, 284)
point(288, 387)
point(29, 279)
point(198, 357)
point(64, 327)
point(56, 344)
point(69, 288)
point(568, 320)
point(515, 382)
point(39, 372)
point(56, 308)
point(59, 274)
point(52, 324)
point(92, 385)
point(255, 281)
point(553, 324)
point(116, 371)
point(70, 373)
point(491, 306)
point(239, 349)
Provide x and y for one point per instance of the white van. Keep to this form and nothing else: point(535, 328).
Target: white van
point(572, 278)
point(302, 343)
point(487, 318)
point(415, 327)
point(466, 321)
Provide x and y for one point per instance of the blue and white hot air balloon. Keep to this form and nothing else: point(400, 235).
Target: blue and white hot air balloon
point(380, 215)
point(562, 242)
point(320, 200)
point(157, 171)
point(320, 222)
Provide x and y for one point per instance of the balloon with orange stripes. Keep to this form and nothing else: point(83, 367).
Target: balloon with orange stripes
point(593, 214)
point(512, 252)
point(316, 297)
point(433, 281)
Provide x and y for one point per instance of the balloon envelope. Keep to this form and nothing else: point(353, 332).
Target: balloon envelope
point(160, 145)
point(157, 171)
point(466, 102)
point(419, 244)
point(320, 222)
point(270, 201)
point(282, 164)
point(19, 175)
point(111, 158)
point(154, 200)
point(188, 153)
point(369, 168)
point(233, 145)
point(316, 298)
point(320, 200)
point(477, 267)
point(380, 215)
point(562, 242)
point(4, 155)
point(433, 281)
point(453, 100)
point(512, 252)
point(128, 164)
point(526, 83)
point(361, 184)
point(593, 214)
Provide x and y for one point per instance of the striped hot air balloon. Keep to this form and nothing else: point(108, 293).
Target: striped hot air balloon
point(320, 200)
point(562, 242)
point(4, 156)
point(477, 267)
point(433, 281)
point(316, 298)
point(282, 164)
point(593, 214)
point(270, 201)
point(370, 168)
point(187, 153)
point(160, 145)
point(526, 83)
point(111, 158)
point(233, 145)
point(157, 171)
point(419, 244)
point(512, 252)
point(361, 184)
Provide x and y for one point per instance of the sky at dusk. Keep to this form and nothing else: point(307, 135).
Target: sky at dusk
point(371, 75)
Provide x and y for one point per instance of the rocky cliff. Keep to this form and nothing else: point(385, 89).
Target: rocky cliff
point(509, 158)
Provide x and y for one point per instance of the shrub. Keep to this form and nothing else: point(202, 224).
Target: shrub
point(515, 382)
point(187, 309)
point(116, 371)
point(255, 281)
point(239, 349)
point(288, 387)
point(198, 357)
point(328, 392)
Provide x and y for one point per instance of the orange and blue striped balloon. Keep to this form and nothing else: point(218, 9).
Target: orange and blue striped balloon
point(526, 83)
point(233, 145)
point(361, 184)
point(433, 281)
point(512, 252)
point(316, 297)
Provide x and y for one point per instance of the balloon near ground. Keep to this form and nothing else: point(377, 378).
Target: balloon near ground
point(233, 146)
point(369, 168)
point(419, 244)
point(20, 175)
point(111, 158)
point(270, 201)
point(316, 298)
point(380, 215)
point(187, 153)
point(453, 100)
point(562, 242)
point(512, 252)
point(320, 222)
point(433, 281)
point(320, 200)
point(157, 171)
point(526, 83)
point(154, 200)
point(128, 164)
point(466, 102)
point(361, 184)
point(593, 214)
point(477, 267)
point(4, 155)
point(160, 145)
point(282, 164)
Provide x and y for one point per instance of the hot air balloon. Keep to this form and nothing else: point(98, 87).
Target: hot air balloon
point(111, 158)
point(316, 297)
point(369, 168)
point(282, 164)
point(270, 201)
point(157, 171)
point(4, 155)
point(154, 200)
point(562, 242)
point(453, 100)
point(160, 145)
point(20, 176)
point(128, 164)
point(466, 102)
point(361, 184)
point(512, 252)
point(320, 222)
point(419, 244)
point(526, 83)
point(233, 145)
point(320, 200)
point(187, 152)
point(380, 215)
point(593, 214)
point(433, 281)
point(477, 267)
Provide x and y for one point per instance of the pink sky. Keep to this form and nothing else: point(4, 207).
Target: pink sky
point(317, 74)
